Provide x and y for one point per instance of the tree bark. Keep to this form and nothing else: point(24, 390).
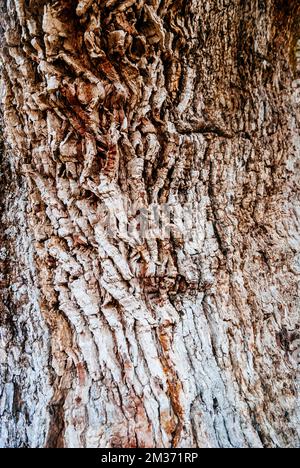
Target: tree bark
point(116, 332)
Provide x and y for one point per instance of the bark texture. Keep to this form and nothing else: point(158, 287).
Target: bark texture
point(114, 339)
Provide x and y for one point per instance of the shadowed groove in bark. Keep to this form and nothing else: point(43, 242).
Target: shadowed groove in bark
point(125, 340)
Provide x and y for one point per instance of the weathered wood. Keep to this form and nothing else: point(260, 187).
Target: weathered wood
point(116, 332)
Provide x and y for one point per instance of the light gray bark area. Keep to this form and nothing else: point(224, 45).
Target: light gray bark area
point(24, 352)
point(112, 340)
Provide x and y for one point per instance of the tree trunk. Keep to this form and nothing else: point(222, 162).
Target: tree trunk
point(150, 239)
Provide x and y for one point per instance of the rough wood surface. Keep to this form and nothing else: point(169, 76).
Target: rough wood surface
point(114, 334)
